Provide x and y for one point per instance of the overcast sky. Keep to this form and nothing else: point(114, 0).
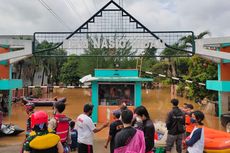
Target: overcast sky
point(29, 16)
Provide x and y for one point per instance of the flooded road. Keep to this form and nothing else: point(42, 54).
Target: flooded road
point(157, 102)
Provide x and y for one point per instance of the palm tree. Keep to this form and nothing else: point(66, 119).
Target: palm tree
point(187, 41)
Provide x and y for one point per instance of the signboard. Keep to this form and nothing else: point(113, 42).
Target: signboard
point(112, 43)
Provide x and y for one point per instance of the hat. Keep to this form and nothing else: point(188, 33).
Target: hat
point(117, 113)
point(88, 107)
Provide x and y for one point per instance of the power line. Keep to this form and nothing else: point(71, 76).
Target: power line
point(73, 8)
point(54, 14)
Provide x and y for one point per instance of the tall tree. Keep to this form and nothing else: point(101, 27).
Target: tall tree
point(69, 71)
point(51, 65)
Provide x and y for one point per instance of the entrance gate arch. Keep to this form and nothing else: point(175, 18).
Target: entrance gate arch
point(114, 30)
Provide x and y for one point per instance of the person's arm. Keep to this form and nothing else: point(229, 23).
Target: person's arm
point(169, 120)
point(101, 128)
point(195, 137)
point(107, 142)
point(69, 140)
point(26, 144)
point(60, 147)
point(52, 123)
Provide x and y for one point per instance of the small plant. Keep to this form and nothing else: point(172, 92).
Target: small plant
point(38, 92)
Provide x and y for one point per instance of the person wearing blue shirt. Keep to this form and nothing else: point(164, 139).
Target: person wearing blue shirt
point(74, 135)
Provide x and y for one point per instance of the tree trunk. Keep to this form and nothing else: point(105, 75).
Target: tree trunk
point(43, 75)
point(32, 78)
point(20, 71)
point(173, 68)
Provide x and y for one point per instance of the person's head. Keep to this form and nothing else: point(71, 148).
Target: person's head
point(142, 112)
point(30, 108)
point(127, 116)
point(123, 107)
point(184, 108)
point(190, 107)
point(59, 107)
point(88, 109)
point(39, 121)
point(72, 124)
point(175, 102)
point(116, 114)
point(185, 105)
point(197, 117)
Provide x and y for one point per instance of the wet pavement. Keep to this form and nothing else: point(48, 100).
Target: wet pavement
point(157, 102)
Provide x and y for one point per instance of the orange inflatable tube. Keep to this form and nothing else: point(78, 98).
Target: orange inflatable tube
point(216, 141)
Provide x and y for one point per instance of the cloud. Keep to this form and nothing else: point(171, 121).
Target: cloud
point(27, 17)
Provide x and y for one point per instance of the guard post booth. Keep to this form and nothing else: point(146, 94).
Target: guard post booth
point(111, 88)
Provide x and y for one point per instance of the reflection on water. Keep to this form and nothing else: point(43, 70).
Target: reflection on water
point(157, 102)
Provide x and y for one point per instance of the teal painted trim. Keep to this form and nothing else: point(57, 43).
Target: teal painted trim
point(10, 84)
point(137, 94)
point(95, 101)
point(4, 62)
point(10, 71)
point(223, 86)
point(4, 46)
point(116, 73)
point(10, 91)
point(219, 68)
point(225, 45)
point(219, 88)
point(123, 79)
point(225, 61)
point(219, 103)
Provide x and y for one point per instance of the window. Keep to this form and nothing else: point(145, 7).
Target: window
point(116, 93)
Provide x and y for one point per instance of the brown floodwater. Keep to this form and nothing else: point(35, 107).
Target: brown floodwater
point(157, 102)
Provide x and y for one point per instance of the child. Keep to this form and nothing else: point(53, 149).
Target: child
point(74, 144)
point(115, 127)
point(29, 110)
point(188, 124)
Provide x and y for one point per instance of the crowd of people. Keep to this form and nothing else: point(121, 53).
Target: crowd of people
point(130, 131)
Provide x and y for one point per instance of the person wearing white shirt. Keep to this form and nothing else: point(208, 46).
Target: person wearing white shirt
point(86, 129)
point(195, 141)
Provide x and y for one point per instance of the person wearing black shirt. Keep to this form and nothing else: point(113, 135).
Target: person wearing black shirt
point(144, 123)
point(115, 127)
point(175, 124)
point(129, 139)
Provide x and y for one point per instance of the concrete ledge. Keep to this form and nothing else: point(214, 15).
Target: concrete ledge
point(218, 85)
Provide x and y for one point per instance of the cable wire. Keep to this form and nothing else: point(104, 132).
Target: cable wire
point(70, 5)
point(54, 14)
